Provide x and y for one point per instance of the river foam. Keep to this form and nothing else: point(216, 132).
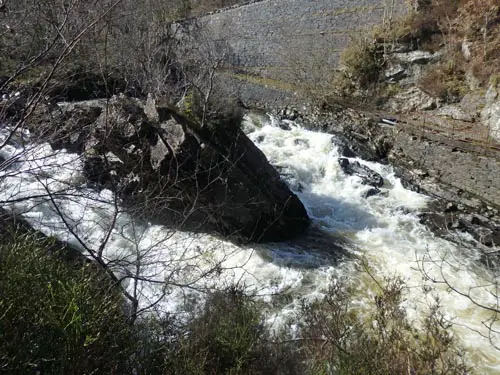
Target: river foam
point(383, 230)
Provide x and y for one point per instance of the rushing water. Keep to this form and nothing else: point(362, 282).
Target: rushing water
point(383, 230)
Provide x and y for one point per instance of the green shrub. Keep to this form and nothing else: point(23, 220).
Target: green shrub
point(362, 65)
point(58, 317)
point(225, 339)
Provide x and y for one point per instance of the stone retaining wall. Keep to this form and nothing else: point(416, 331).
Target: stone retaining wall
point(280, 38)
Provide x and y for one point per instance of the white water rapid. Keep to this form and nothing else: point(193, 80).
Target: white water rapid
point(383, 229)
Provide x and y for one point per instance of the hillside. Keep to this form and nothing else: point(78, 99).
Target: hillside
point(438, 67)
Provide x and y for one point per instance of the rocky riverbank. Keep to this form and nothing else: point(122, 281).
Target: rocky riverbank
point(462, 178)
point(445, 146)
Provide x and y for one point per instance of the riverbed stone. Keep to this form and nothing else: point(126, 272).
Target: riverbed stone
point(355, 168)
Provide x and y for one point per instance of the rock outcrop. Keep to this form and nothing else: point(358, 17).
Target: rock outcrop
point(461, 177)
point(476, 172)
point(465, 184)
point(412, 99)
point(168, 169)
point(490, 115)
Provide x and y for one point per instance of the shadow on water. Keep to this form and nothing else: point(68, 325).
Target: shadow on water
point(323, 244)
point(336, 214)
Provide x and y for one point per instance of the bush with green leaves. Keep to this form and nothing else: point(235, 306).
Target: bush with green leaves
point(58, 316)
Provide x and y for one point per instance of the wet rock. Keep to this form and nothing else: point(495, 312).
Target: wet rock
point(171, 170)
point(284, 125)
point(291, 114)
point(260, 139)
point(368, 177)
point(452, 209)
point(301, 142)
point(343, 147)
point(371, 192)
point(366, 139)
point(445, 217)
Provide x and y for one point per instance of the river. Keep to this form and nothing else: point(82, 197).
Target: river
point(383, 231)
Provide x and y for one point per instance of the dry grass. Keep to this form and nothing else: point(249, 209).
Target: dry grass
point(446, 79)
point(453, 24)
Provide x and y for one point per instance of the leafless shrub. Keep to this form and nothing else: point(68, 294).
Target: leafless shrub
point(340, 340)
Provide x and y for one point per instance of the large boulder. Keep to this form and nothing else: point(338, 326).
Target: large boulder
point(168, 169)
point(411, 99)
